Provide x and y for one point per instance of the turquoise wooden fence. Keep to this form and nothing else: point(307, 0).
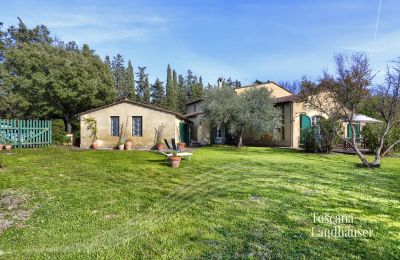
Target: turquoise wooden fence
point(25, 133)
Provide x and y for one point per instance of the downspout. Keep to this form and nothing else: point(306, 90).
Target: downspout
point(291, 124)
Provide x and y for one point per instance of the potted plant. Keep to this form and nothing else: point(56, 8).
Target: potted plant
point(181, 146)
point(159, 137)
point(121, 145)
point(175, 160)
point(129, 143)
point(8, 145)
point(92, 127)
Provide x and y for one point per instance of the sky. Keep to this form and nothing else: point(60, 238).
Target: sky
point(246, 40)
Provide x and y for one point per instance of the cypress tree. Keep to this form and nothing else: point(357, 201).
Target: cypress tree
point(157, 93)
point(183, 94)
point(130, 81)
point(168, 86)
point(174, 92)
point(118, 69)
point(146, 95)
point(141, 83)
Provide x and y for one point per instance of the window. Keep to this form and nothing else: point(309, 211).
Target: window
point(137, 127)
point(115, 126)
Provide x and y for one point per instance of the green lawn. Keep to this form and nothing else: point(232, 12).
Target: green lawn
point(224, 203)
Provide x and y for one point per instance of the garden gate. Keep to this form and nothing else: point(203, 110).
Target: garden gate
point(25, 133)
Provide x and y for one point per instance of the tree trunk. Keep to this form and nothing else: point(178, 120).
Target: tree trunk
point(240, 141)
point(68, 124)
point(378, 153)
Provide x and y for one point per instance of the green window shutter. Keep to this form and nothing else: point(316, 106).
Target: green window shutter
point(305, 122)
point(349, 131)
point(358, 131)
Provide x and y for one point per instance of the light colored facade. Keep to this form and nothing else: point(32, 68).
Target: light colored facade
point(288, 135)
point(131, 115)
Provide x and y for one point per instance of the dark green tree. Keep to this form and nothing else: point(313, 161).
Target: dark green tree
point(107, 61)
point(157, 93)
point(48, 81)
point(118, 69)
point(130, 81)
point(146, 96)
point(183, 98)
point(141, 83)
point(168, 85)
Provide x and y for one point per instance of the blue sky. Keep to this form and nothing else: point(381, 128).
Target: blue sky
point(247, 40)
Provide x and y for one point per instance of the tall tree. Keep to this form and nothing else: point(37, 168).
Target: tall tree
point(157, 93)
point(130, 81)
point(344, 92)
point(146, 96)
point(51, 81)
point(107, 61)
point(118, 69)
point(169, 86)
point(141, 83)
point(183, 98)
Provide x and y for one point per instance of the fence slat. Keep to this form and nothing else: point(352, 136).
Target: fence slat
point(26, 133)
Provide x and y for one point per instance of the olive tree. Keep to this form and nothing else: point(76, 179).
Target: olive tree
point(251, 111)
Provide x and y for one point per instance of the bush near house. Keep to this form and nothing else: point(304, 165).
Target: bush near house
point(321, 138)
point(58, 132)
point(371, 133)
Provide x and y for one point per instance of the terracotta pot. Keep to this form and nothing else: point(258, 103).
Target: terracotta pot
point(128, 145)
point(181, 146)
point(121, 147)
point(1, 147)
point(160, 147)
point(8, 147)
point(95, 144)
point(175, 161)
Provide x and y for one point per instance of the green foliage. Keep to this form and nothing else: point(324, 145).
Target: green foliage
point(371, 133)
point(130, 81)
point(51, 81)
point(2, 163)
point(157, 93)
point(119, 74)
point(183, 97)
point(141, 83)
point(195, 86)
point(321, 138)
point(171, 88)
point(146, 96)
point(58, 131)
point(252, 111)
point(91, 125)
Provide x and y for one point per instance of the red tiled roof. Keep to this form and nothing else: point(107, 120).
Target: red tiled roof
point(286, 99)
point(194, 114)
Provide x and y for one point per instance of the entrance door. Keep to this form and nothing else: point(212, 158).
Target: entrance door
point(184, 133)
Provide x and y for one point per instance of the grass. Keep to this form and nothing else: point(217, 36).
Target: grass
point(224, 203)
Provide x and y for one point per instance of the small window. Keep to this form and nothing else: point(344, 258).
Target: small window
point(137, 127)
point(115, 126)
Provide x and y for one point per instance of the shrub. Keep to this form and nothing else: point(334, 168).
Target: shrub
point(58, 131)
point(371, 133)
point(2, 164)
point(321, 138)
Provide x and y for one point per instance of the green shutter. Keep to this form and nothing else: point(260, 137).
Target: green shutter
point(349, 131)
point(305, 122)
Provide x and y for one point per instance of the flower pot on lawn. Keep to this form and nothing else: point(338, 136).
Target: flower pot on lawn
point(8, 147)
point(128, 145)
point(181, 146)
point(159, 147)
point(1, 147)
point(95, 144)
point(121, 147)
point(175, 161)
